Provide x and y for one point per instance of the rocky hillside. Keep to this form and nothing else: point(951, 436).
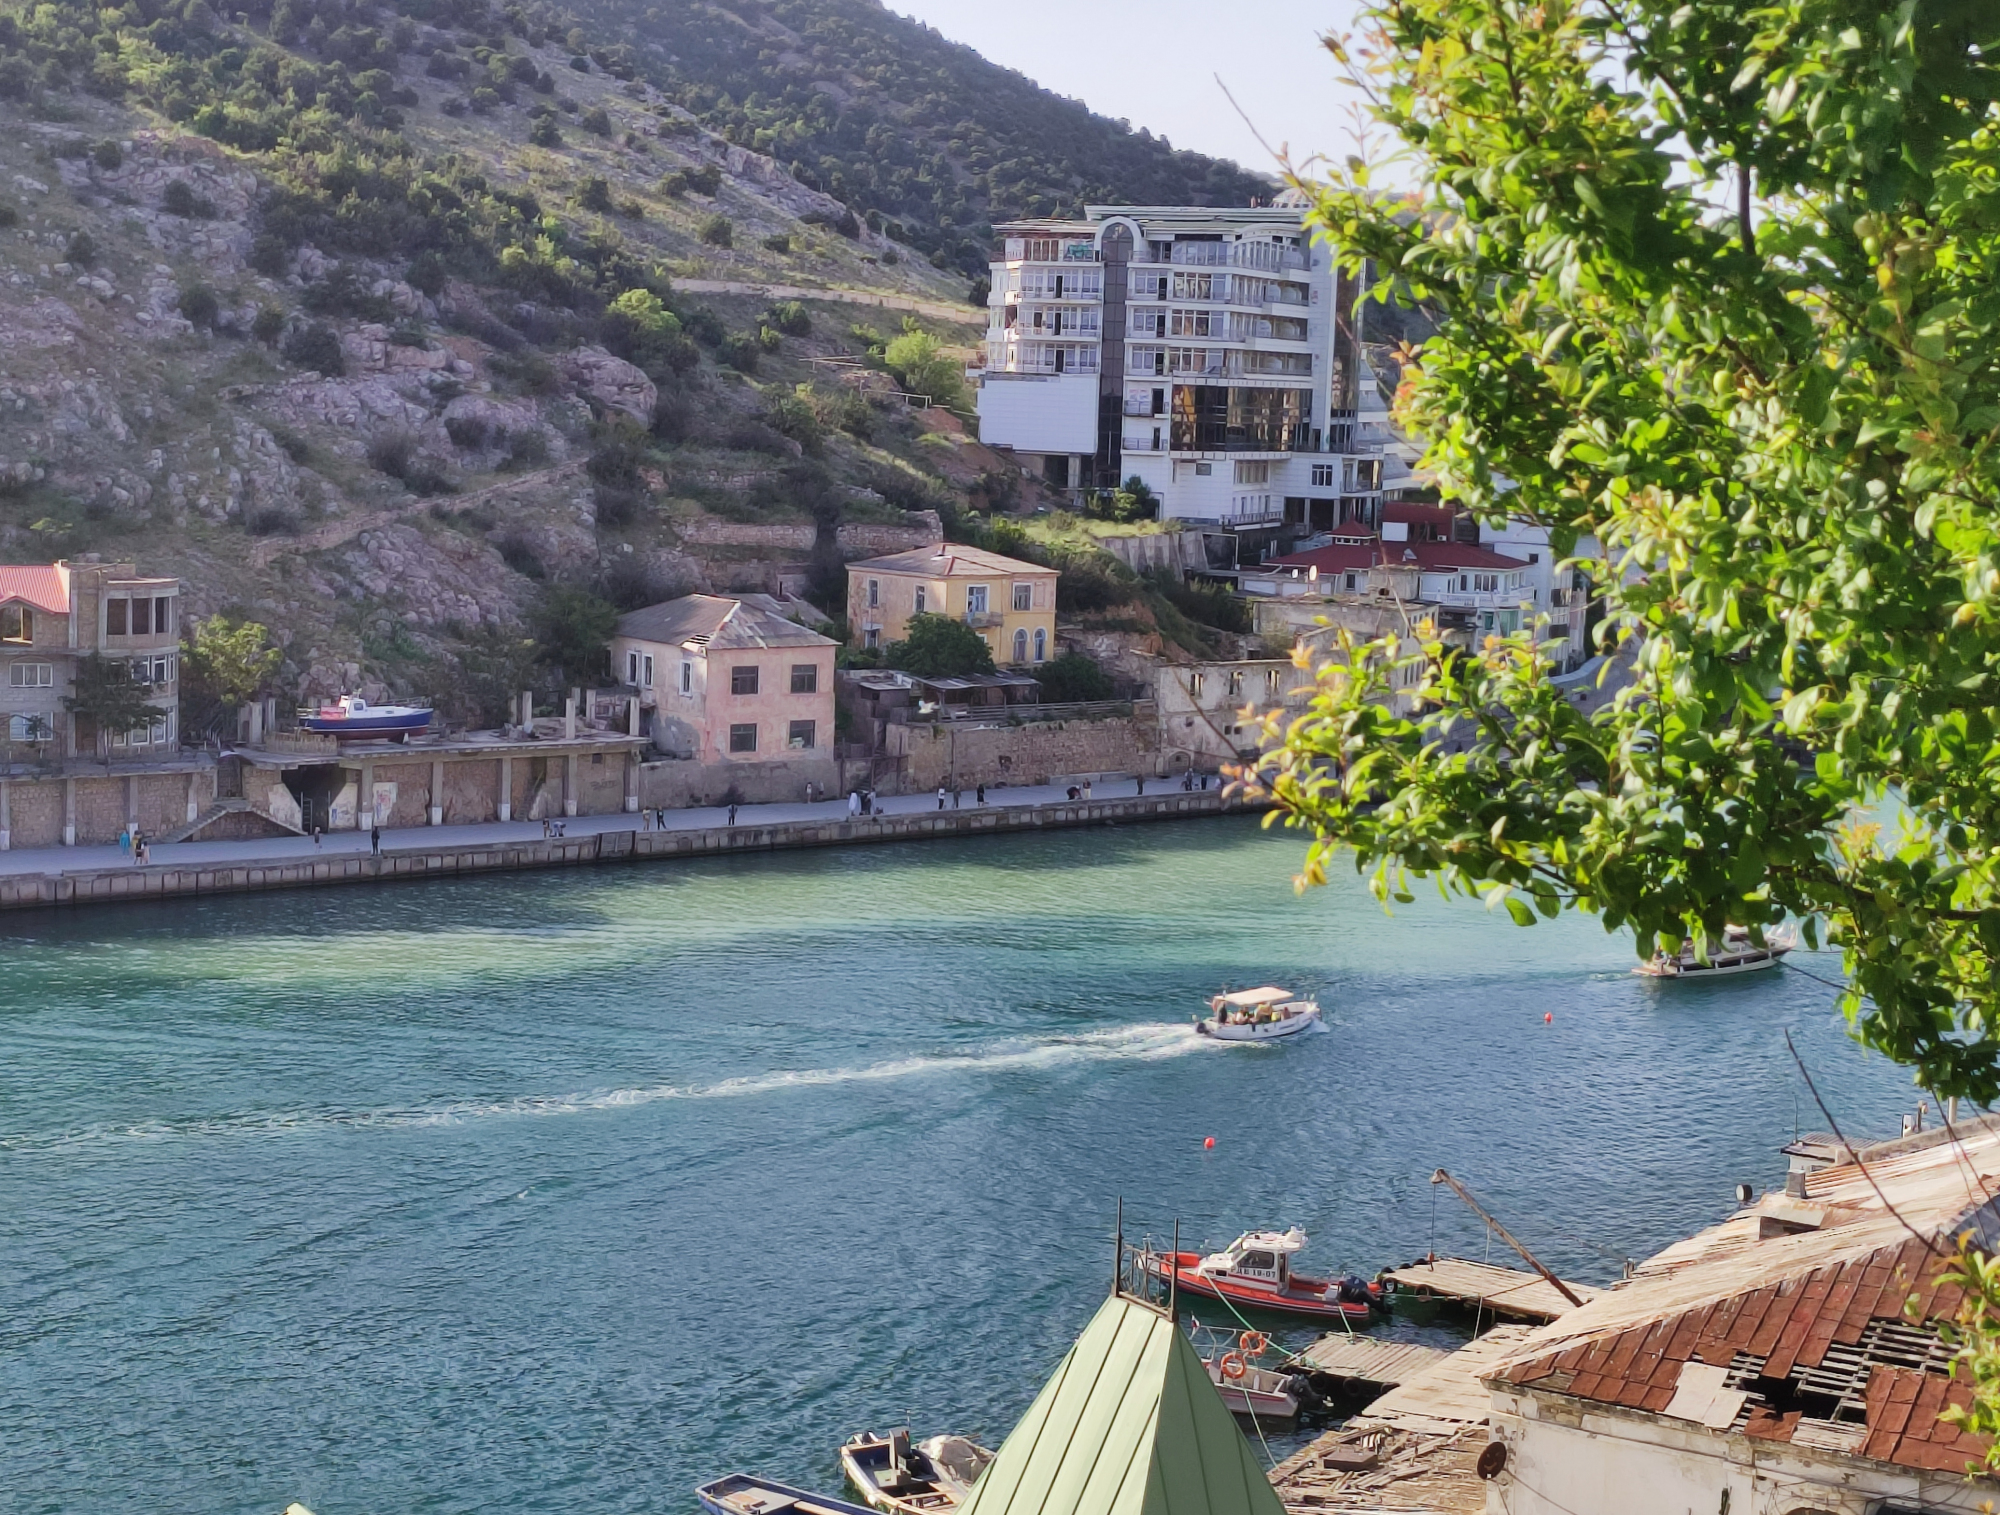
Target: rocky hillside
point(419, 337)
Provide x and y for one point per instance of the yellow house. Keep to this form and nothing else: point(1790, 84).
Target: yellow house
point(1010, 603)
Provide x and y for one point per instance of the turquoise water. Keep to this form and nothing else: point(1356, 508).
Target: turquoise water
point(564, 1191)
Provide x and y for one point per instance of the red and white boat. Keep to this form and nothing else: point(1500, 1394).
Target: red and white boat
point(1255, 1270)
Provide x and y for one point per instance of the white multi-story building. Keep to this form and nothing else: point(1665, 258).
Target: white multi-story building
point(1211, 352)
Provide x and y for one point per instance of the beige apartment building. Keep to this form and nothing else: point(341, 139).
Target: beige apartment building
point(728, 680)
point(1010, 603)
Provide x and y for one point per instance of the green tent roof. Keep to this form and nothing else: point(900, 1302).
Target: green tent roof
point(1129, 1425)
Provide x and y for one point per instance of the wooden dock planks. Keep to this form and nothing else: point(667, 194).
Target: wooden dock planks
point(1370, 1360)
point(1500, 1291)
point(1448, 1395)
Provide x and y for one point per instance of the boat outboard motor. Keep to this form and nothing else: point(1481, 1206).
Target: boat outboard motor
point(1311, 1401)
point(1355, 1291)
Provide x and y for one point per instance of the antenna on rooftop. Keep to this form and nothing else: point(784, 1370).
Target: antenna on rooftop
point(1118, 1252)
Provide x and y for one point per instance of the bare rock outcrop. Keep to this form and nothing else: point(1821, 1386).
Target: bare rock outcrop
point(611, 382)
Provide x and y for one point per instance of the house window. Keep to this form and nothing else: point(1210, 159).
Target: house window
point(1349, 581)
point(115, 617)
point(1195, 682)
point(805, 680)
point(17, 624)
point(1024, 596)
point(142, 618)
point(743, 680)
point(871, 637)
point(648, 680)
point(975, 599)
point(1322, 475)
point(874, 593)
point(1041, 645)
point(1270, 681)
point(29, 728)
point(161, 615)
point(1253, 473)
point(1021, 646)
point(631, 667)
point(802, 733)
point(1203, 470)
point(687, 677)
point(31, 675)
point(743, 738)
point(1235, 682)
point(923, 599)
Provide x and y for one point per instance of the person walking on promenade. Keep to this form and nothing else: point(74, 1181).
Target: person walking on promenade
point(375, 839)
point(957, 796)
point(980, 795)
point(1141, 791)
point(940, 796)
point(1086, 789)
point(853, 803)
point(318, 835)
point(732, 812)
point(140, 854)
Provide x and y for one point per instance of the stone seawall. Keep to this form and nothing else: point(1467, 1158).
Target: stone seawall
point(165, 880)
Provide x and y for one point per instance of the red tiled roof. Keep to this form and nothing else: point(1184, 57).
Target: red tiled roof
point(42, 585)
point(1841, 1308)
point(1431, 557)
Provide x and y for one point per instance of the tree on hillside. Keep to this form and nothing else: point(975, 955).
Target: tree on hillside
point(921, 364)
point(1074, 677)
point(224, 662)
point(939, 647)
point(572, 628)
point(106, 701)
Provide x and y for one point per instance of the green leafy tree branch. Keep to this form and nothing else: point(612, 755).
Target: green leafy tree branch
point(1718, 290)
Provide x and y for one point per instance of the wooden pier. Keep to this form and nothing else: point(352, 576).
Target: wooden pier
point(1506, 1292)
point(1414, 1449)
point(1368, 1362)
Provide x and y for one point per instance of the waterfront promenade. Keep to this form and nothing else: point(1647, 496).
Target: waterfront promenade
point(93, 875)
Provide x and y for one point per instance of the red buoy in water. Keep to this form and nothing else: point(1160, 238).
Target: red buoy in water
point(1209, 1143)
point(1548, 1017)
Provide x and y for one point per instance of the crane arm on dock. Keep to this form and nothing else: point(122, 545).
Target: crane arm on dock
point(1442, 1177)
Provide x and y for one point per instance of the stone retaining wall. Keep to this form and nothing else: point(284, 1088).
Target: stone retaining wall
point(165, 880)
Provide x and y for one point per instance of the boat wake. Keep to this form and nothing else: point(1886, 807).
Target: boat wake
point(1144, 1043)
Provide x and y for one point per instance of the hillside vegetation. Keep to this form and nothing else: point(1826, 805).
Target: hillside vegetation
point(921, 135)
point(374, 326)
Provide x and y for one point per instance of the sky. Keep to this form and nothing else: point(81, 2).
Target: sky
point(1155, 63)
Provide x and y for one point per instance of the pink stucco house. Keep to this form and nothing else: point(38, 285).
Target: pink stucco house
point(729, 680)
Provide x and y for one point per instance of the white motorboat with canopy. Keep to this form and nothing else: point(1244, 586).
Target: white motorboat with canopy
point(1258, 1015)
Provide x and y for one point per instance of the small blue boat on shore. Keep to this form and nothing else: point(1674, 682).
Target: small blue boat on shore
point(747, 1494)
point(352, 716)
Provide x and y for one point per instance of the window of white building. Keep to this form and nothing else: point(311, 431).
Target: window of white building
point(1256, 472)
point(31, 675)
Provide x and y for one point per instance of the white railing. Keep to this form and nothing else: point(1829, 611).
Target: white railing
point(1267, 256)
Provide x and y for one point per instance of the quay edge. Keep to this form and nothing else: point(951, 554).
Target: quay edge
point(166, 880)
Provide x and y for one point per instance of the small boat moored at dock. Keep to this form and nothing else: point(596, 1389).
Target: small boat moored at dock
point(1263, 1394)
point(353, 717)
point(1255, 1270)
point(897, 1478)
point(748, 1494)
point(1268, 1014)
point(1737, 952)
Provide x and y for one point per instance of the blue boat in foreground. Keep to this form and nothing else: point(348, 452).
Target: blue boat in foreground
point(352, 716)
point(747, 1494)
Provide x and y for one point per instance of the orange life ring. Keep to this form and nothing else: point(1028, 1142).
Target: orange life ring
point(1253, 1343)
point(1233, 1365)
